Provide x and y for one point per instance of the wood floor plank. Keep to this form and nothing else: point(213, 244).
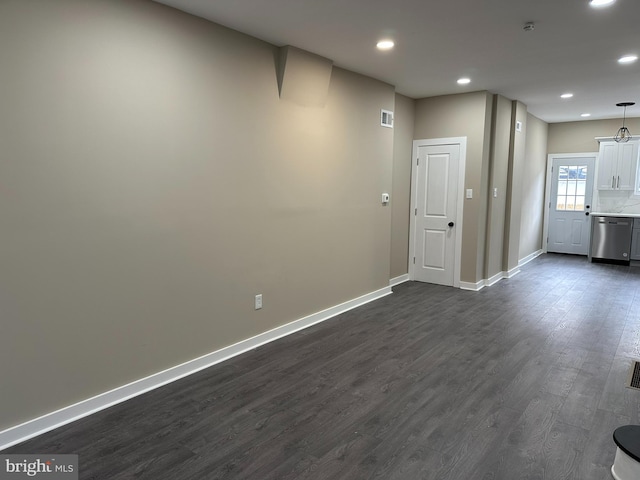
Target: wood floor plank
point(581, 404)
point(523, 453)
point(559, 380)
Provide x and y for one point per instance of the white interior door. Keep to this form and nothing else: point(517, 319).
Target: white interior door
point(436, 213)
point(570, 202)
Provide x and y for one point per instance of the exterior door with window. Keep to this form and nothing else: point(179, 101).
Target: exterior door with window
point(571, 191)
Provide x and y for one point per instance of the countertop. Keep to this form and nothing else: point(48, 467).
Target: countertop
point(608, 214)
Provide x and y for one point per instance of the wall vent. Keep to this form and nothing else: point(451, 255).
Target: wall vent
point(386, 118)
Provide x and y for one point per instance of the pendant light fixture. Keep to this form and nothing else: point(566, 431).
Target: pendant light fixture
point(623, 134)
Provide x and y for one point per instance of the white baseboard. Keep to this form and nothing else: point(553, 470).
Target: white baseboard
point(499, 276)
point(472, 286)
point(512, 273)
point(530, 257)
point(489, 281)
point(398, 280)
point(50, 421)
point(495, 279)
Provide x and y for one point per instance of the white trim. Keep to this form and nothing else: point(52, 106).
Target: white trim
point(512, 273)
point(528, 258)
point(488, 282)
point(50, 421)
point(398, 280)
point(495, 279)
point(474, 287)
point(462, 142)
point(547, 189)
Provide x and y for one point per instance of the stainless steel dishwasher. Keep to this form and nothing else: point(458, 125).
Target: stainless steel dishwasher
point(611, 238)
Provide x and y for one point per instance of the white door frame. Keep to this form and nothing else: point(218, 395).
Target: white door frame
point(462, 142)
point(547, 188)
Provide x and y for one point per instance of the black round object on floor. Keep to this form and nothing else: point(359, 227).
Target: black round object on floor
point(627, 439)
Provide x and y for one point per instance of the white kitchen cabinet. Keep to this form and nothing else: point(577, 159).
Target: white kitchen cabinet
point(617, 163)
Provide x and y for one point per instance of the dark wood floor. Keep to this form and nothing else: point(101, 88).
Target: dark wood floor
point(522, 380)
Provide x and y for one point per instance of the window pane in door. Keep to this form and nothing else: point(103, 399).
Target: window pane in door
point(573, 172)
point(562, 172)
point(562, 187)
point(582, 172)
point(572, 181)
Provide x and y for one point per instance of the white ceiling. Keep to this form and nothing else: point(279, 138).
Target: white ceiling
point(574, 48)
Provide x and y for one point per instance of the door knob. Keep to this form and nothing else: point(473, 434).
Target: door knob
point(587, 206)
point(586, 213)
point(451, 224)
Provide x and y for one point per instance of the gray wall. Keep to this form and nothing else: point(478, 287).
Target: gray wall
point(514, 188)
point(153, 182)
point(498, 177)
point(533, 186)
point(579, 137)
point(465, 115)
point(404, 118)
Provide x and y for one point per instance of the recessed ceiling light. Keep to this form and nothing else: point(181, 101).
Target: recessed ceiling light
point(585, 115)
point(385, 44)
point(628, 59)
point(601, 3)
point(566, 95)
point(464, 81)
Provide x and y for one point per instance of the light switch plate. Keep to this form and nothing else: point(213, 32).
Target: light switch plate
point(469, 192)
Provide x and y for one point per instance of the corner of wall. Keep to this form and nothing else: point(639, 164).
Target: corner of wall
point(514, 195)
point(303, 77)
point(404, 123)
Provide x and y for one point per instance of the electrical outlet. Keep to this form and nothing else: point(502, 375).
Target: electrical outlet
point(258, 301)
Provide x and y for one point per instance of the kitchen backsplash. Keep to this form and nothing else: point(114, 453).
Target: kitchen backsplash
point(615, 202)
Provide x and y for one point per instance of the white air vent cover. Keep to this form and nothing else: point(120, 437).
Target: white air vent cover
point(386, 118)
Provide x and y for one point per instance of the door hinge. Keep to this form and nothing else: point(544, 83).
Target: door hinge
point(416, 212)
point(418, 161)
point(414, 260)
